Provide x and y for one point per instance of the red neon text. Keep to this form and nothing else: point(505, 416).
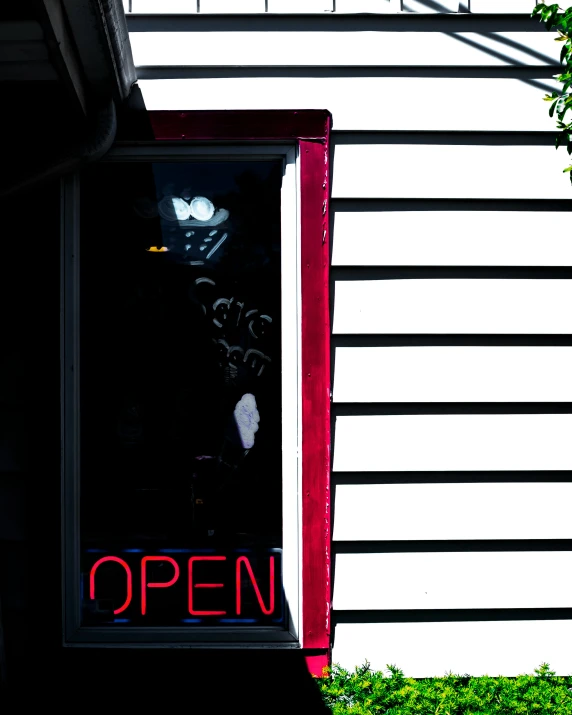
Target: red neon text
point(192, 585)
point(163, 584)
point(242, 563)
point(129, 580)
point(270, 609)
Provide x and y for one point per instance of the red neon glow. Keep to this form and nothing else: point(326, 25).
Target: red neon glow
point(164, 584)
point(266, 611)
point(203, 585)
point(129, 580)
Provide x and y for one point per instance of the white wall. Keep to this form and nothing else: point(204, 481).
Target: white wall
point(345, 49)
point(452, 333)
point(371, 103)
point(460, 511)
point(482, 647)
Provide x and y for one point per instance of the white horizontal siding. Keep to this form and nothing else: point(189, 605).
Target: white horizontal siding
point(453, 305)
point(164, 7)
point(461, 511)
point(301, 6)
point(424, 650)
point(432, 6)
point(505, 6)
point(445, 171)
point(433, 580)
point(232, 6)
point(374, 6)
point(460, 442)
point(390, 49)
point(341, 6)
point(453, 374)
point(450, 238)
point(428, 442)
point(368, 103)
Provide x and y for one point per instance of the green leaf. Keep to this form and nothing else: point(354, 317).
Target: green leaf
point(552, 21)
point(552, 108)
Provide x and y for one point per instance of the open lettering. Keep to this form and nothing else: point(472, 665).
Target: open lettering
point(244, 577)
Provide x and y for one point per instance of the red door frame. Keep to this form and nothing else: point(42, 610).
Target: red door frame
point(310, 130)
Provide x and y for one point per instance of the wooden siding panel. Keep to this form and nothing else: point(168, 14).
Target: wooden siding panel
point(453, 305)
point(461, 511)
point(482, 442)
point(424, 650)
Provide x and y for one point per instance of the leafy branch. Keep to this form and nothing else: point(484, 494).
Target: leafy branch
point(555, 18)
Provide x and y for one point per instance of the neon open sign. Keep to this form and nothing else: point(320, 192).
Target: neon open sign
point(182, 587)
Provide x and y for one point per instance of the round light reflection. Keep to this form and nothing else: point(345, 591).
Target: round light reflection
point(201, 208)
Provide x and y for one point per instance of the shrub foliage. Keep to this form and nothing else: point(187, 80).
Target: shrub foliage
point(367, 692)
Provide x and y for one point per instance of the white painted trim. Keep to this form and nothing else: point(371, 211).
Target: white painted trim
point(299, 394)
point(291, 398)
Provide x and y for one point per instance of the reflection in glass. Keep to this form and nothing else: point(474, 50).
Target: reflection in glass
point(180, 387)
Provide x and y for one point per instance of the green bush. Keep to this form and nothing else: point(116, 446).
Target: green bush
point(366, 692)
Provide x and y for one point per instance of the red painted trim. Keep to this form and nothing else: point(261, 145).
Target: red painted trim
point(310, 130)
point(233, 126)
point(317, 663)
point(314, 173)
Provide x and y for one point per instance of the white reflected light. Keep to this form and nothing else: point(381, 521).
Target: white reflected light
point(201, 208)
point(247, 418)
point(173, 208)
